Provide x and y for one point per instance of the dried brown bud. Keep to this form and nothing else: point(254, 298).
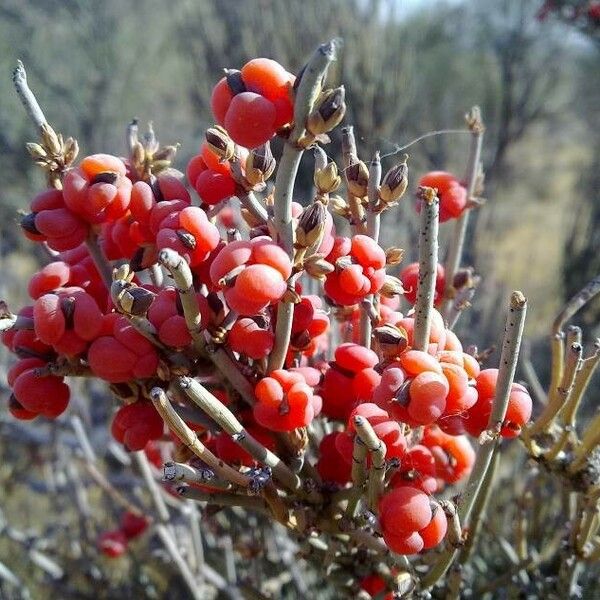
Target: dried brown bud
point(260, 165)
point(392, 286)
point(123, 273)
point(463, 278)
point(234, 81)
point(166, 153)
point(71, 150)
point(394, 256)
point(67, 307)
point(394, 183)
point(106, 177)
point(28, 224)
point(220, 143)
point(311, 225)
point(357, 179)
point(36, 150)
point(328, 111)
point(136, 300)
point(339, 206)
point(138, 154)
point(51, 140)
point(327, 180)
point(392, 340)
point(316, 266)
point(186, 238)
point(159, 166)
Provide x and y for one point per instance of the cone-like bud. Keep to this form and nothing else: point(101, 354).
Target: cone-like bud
point(311, 225)
point(36, 150)
point(220, 143)
point(123, 273)
point(166, 153)
point(394, 183)
point(71, 151)
point(392, 286)
point(136, 300)
point(392, 340)
point(51, 140)
point(327, 180)
point(394, 256)
point(316, 266)
point(339, 206)
point(357, 179)
point(328, 111)
point(260, 165)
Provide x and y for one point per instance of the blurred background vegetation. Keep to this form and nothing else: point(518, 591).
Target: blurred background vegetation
point(409, 68)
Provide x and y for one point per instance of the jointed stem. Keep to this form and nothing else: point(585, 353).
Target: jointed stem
point(508, 363)
point(230, 424)
point(27, 96)
point(310, 84)
point(190, 439)
point(460, 229)
point(428, 258)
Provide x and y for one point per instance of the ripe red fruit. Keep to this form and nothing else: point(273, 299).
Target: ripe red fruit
point(220, 100)
point(246, 337)
point(428, 392)
point(98, 190)
point(48, 278)
point(46, 395)
point(454, 456)
point(410, 278)
point(355, 357)
point(332, 465)
point(404, 510)
point(250, 119)
point(213, 187)
point(112, 543)
point(266, 77)
point(435, 532)
point(133, 525)
point(136, 424)
point(123, 353)
point(284, 401)
point(417, 470)
point(452, 195)
point(363, 272)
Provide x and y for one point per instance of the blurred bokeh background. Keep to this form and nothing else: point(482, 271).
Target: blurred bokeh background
point(409, 68)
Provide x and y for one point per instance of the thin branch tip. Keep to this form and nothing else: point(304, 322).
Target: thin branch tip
point(517, 300)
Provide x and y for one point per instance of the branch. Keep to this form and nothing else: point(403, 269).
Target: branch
point(428, 258)
point(513, 332)
point(308, 89)
point(215, 409)
point(27, 97)
point(456, 247)
point(190, 439)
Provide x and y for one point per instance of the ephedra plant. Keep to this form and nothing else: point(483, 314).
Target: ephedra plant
point(370, 436)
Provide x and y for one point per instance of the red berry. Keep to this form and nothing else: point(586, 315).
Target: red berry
point(250, 120)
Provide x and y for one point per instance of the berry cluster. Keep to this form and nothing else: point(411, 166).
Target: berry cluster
point(360, 269)
point(252, 104)
point(203, 319)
